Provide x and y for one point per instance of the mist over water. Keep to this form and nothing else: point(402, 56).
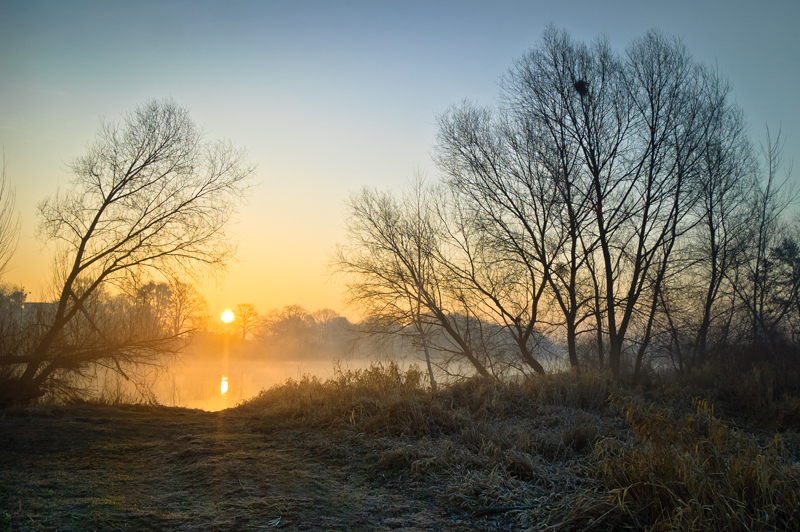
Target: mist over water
point(218, 371)
point(214, 372)
point(199, 383)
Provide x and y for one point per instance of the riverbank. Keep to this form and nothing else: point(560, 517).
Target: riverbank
point(373, 449)
point(157, 468)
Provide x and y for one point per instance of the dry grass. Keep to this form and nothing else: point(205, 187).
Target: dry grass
point(761, 396)
point(536, 447)
point(143, 468)
point(482, 443)
point(384, 400)
point(561, 452)
point(693, 473)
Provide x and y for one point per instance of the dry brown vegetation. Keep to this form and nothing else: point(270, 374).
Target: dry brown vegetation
point(374, 449)
point(560, 452)
point(144, 468)
point(697, 472)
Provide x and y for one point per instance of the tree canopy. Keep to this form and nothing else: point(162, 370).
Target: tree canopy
point(151, 199)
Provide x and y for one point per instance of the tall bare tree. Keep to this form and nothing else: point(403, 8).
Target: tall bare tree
point(589, 173)
point(766, 251)
point(725, 187)
point(393, 276)
point(675, 114)
point(526, 170)
point(247, 318)
point(499, 220)
point(151, 196)
point(9, 224)
point(539, 93)
point(494, 282)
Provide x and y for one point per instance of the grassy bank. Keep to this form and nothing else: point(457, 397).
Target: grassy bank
point(146, 468)
point(374, 449)
point(562, 452)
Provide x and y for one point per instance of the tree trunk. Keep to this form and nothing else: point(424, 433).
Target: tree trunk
point(532, 362)
point(571, 343)
point(428, 361)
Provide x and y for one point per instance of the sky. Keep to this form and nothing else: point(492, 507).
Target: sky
point(326, 97)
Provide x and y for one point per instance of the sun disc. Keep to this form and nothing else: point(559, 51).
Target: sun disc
point(227, 316)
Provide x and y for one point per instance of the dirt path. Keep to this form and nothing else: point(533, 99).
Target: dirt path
point(157, 468)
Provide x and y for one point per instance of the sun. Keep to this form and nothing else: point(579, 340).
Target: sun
point(227, 316)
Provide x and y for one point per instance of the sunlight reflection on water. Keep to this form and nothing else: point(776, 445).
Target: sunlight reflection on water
point(196, 383)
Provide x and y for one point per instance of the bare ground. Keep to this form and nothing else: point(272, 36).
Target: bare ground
point(158, 468)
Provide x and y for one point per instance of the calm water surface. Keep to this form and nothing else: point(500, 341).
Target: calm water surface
point(215, 385)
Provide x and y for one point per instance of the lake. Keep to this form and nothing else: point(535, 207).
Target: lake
point(218, 384)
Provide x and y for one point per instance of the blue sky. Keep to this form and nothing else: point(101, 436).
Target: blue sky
point(325, 96)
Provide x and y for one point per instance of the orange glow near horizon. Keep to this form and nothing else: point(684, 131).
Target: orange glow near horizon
point(223, 387)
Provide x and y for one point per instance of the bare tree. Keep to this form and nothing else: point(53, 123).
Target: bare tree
point(589, 174)
point(152, 303)
point(526, 171)
point(287, 329)
point(188, 308)
point(151, 197)
point(393, 275)
point(176, 307)
point(328, 324)
point(492, 263)
point(670, 94)
point(324, 316)
point(9, 225)
point(725, 187)
point(539, 94)
point(766, 251)
point(247, 318)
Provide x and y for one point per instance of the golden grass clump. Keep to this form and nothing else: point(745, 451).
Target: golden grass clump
point(485, 443)
point(697, 473)
point(381, 400)
point(384, 400)
point(548, 450)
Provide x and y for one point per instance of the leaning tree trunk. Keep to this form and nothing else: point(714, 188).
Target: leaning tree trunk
point(428, 362)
